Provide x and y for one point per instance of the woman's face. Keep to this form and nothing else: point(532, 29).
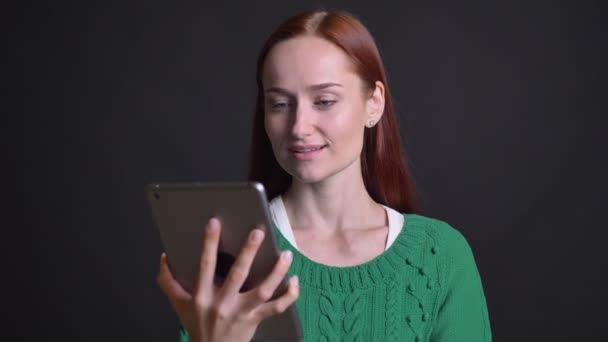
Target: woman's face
point(316, 108)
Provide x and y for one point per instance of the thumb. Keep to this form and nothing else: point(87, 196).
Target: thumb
point(167, 283)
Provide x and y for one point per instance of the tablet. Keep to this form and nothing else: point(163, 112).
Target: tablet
point(181, 211)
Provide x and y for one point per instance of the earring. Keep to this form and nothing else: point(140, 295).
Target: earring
point(371, 123)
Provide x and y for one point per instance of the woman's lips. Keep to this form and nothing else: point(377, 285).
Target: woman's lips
point(306, 152)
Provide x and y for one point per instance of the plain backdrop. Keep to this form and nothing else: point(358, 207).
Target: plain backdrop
point(500, 104)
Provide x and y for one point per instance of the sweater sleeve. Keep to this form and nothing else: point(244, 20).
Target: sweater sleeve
point(462, 313)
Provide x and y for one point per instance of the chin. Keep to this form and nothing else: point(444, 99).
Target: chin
point(308, 175)
point(315, 172)
point(313, 175)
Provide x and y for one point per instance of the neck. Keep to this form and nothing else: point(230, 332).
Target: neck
point(339, 202)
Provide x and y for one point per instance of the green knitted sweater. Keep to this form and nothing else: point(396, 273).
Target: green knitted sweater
point(424, 287)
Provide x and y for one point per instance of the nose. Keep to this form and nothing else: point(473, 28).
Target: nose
point(302, 122)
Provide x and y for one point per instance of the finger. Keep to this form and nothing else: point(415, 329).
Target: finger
point(280, 304)
point(240, 269)
point(170, 287)
point(208, 260)
point(265, 291)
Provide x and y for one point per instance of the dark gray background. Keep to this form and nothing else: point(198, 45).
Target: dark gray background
point(500, 104)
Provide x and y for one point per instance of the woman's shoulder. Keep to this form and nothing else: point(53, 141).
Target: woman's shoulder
point(445, 239)
point(432, 225)
point(463, 314)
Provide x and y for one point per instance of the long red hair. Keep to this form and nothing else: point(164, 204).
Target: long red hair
point(386, 173)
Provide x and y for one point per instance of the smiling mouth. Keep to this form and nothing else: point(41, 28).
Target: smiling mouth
point(307, 149)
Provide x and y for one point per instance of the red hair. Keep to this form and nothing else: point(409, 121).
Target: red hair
point(386, 174)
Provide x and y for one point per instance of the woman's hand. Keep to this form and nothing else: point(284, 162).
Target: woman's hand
point(213, 313)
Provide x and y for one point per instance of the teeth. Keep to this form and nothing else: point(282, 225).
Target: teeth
point(309, 150)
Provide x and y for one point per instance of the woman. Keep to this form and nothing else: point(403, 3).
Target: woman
point(326, 145)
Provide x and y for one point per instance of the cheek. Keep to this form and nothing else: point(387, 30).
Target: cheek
point(349, 124)
point(274, 129)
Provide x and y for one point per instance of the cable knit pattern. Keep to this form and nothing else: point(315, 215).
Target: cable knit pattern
point(353, 310)
point(328, 320)
point(392, 312)
point(424, 287)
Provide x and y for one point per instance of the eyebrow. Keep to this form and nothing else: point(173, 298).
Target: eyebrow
point(314, 87)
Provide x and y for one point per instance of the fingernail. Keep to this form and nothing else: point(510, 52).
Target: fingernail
point(256, 235)
point(213, 224)
point(296, 280)
point(287, 255)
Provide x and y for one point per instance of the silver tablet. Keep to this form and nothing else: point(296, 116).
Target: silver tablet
point(181, 210)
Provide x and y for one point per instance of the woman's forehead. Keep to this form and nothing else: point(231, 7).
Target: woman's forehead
point(305, 61)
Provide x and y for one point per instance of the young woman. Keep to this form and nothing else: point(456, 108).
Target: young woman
point(364, 264)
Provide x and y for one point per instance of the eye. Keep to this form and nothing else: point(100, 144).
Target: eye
point(278, 105)
point(325, 103)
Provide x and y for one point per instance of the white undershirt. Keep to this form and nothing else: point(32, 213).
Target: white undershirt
point(279, 216)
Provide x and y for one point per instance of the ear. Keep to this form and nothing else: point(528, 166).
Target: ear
point(375, 105)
